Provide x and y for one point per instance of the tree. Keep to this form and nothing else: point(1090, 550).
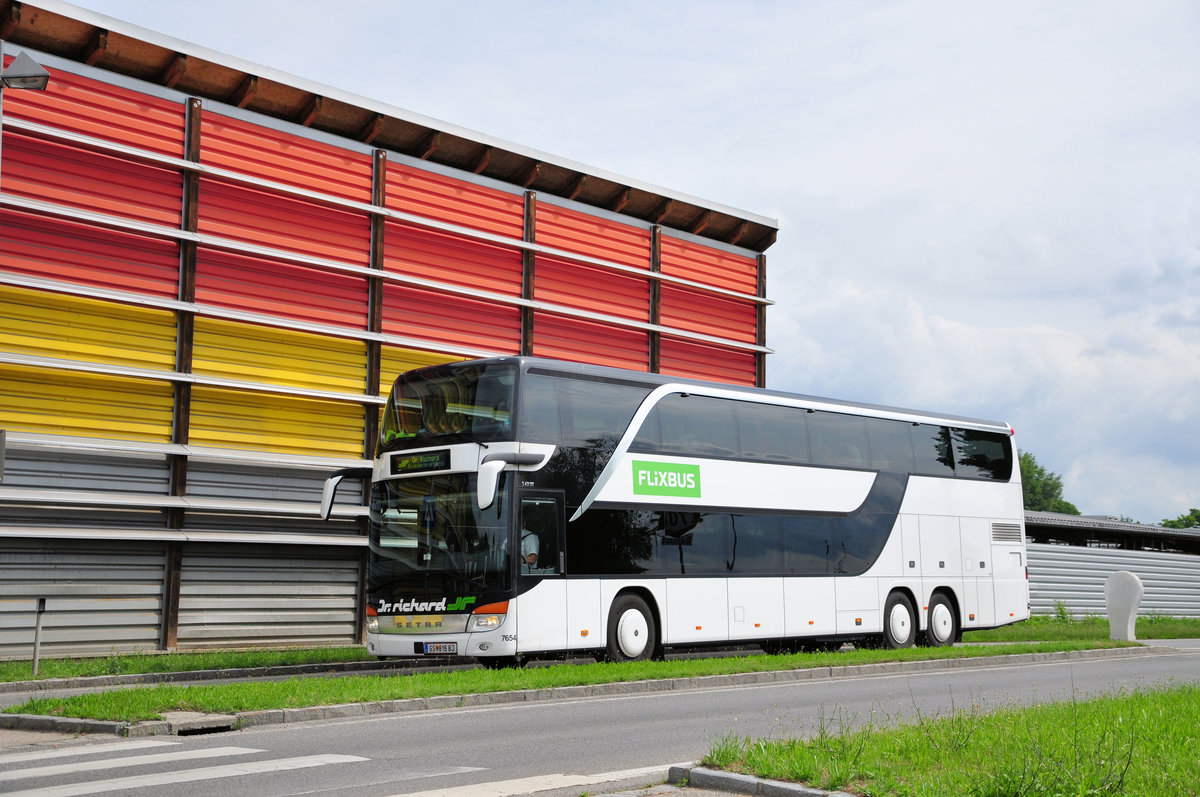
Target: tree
point(1042, 488)
point(1189, 521)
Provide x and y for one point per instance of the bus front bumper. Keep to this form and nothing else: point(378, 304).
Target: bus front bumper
point(478, 644)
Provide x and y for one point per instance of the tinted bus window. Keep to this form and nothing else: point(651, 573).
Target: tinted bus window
point(891, 447)
point(696, 426)
point(932, 451)
point(983, 455)
point(576, 412)
point(838, 440)
point(770, 432)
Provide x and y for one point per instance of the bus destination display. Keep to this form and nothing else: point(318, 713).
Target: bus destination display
point(420, 463)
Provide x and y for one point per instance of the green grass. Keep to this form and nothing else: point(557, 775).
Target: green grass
point(177, 662)
point(1063, 626)
point(225, 698)
point(1143, 743)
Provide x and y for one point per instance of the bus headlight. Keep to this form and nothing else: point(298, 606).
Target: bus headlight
point(372, 621)
point(488, 617)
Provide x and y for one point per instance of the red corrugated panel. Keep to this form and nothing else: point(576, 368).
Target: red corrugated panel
point(588, 288)
point(593, 236)
point(709, 314)
point(283, 222)
point(589, 342)
point(443, 198)
point(451, 320)
point(679, 357)
point(284, 158)
point(265, 286)
point(80, 178)
point(451, 258)
point(709, 266)
point(103, 111)
point(72, 252)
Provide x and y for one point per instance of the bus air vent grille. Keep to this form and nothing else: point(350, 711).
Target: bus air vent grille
point(1006, 532)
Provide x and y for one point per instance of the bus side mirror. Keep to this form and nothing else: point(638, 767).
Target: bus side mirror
point(331, 485)
point(489, 477)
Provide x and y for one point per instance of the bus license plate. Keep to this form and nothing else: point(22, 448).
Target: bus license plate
point(441, 648)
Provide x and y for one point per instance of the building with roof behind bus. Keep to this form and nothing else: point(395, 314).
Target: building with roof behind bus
point(210, 274)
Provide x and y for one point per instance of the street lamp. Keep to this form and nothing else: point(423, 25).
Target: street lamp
point(22, 73)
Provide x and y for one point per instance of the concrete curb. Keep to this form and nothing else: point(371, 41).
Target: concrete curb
point(91, 681)
point(719, 780)
point(201, 723)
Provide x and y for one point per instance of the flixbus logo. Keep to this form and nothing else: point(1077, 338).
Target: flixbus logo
point(406, 607)
point(665, 478)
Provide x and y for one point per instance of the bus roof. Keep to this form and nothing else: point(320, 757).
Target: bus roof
point(601, 372)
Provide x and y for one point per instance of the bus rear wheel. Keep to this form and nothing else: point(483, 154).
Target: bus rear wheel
point(899, 622)
point(943, 623)
point(631, 631)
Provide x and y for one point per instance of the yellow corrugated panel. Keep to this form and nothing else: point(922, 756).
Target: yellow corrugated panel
point(86, 405)
point(284, 424)
point(395, 361)
point(278, 357)
point(73, 328)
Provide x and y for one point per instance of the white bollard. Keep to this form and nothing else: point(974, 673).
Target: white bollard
point(1122, 593)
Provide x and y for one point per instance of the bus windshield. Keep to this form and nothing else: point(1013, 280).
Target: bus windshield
point(470, 403)
point(431, 529)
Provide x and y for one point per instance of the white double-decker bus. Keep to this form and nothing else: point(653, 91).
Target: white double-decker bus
point(523, 507)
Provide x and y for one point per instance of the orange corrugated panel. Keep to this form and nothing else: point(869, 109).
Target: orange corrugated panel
point(679, 357)
point(443, 198)
point(709, 266)
point(709, 314)
point(593, 236)
point(588, 342)
point(259, 285)
point(284, 158)
point(590, 288)
point(67, 175)
point(452, 258)
point(451, 320)
point(284, 222)
point(64, 250)
point(103, 111)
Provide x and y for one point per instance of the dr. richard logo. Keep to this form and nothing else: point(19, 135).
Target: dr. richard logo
point(666, 478)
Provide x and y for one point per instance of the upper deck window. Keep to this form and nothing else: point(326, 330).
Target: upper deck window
point(459, 404)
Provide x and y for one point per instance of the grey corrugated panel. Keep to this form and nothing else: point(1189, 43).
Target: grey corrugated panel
point(81, 470)
point(60, 517)
point(265, 483)
point(101, 597)
point(1074, 576)
point(290, 525)
point(236, 595)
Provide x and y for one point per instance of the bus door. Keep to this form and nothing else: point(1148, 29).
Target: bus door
point(541, 605)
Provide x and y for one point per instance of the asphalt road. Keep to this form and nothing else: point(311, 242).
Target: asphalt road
point(561, 747)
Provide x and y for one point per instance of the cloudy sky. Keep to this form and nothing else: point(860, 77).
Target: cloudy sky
point(987, 208)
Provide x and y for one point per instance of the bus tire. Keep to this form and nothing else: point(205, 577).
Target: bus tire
point(631, 630)
point(942, 628)
point(501, 662)
point(899, 621)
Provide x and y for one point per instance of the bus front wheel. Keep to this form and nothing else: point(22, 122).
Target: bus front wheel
point(899, 622)
point(943, 623)
point(631, 632)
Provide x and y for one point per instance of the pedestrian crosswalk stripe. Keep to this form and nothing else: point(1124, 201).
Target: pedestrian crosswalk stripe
point(189, 775)
point(82, 750)
point(121, 763)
